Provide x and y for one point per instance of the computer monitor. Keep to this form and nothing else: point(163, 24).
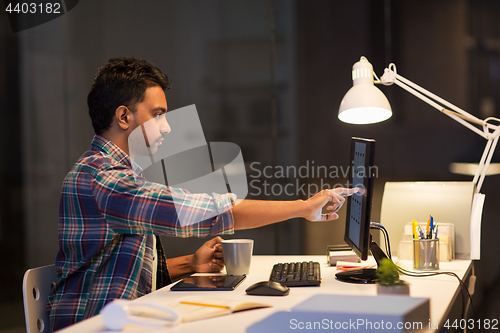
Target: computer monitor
point(357, 229)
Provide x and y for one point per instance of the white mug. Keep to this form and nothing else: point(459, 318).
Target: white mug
point(237, 255)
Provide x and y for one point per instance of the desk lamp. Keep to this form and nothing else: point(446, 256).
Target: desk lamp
point(366, 104)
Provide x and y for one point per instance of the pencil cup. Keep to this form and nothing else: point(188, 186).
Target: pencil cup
point(426, 254)
point(237, 255)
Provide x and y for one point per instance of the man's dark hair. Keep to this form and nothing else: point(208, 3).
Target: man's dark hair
point(122, 81)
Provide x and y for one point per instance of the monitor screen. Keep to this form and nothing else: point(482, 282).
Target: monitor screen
point(357, 229)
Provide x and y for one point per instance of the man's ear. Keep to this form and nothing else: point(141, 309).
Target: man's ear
point(123, 117)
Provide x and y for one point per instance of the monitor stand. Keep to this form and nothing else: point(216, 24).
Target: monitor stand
point(363, 275)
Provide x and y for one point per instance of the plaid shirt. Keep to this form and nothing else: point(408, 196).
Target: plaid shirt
point(108, 216)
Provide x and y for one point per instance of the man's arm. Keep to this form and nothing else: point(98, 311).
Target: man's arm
point(250, 214)
point(256, 213)
point(208, 258)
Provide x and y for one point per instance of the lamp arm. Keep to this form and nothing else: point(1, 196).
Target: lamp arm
point(390, 76)
point(490, 132)
point(485, 162)
point(440, 108)
point(440, 100)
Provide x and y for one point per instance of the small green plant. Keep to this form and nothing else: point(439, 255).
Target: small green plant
point(387, 273)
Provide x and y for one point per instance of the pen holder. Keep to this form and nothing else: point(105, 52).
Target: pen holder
point(426, 254)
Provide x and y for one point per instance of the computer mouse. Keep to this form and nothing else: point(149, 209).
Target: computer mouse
point(268, 288)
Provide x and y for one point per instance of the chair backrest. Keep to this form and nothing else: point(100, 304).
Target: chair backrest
point(37, 284)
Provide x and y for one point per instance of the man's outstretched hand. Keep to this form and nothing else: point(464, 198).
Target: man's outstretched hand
point(316, 203)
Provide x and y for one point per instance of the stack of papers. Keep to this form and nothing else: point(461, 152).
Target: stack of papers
point(336, 256)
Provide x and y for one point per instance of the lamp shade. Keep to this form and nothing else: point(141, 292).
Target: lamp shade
point(364, 103)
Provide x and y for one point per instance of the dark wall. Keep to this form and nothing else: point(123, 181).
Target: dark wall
point(444, 46)
point(219, 55)
point(11, 207)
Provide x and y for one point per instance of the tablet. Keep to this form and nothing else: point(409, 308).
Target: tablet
point(208, 282)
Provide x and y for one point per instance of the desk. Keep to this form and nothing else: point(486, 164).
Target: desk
point(442, 291)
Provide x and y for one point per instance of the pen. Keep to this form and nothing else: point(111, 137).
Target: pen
point(414, 229)
point(432, 224)
point(436, 232)
point(203, 304)
point(428, 234)
point(420, 232)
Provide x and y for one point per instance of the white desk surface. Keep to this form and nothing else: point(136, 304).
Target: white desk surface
point(442, 291)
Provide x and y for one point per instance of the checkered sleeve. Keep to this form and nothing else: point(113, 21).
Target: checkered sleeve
point(131, 204)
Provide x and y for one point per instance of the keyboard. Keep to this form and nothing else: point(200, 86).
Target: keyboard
point(294, 274)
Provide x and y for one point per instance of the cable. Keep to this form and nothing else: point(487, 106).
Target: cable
point(466, 297)
point(471, 288)
point(374, 225)
point(462, 284)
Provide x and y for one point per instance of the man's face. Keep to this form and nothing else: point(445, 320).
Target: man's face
point(150, 116)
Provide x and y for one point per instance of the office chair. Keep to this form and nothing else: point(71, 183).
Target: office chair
point(37, 283)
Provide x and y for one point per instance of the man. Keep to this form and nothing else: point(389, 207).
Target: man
point(110, 216)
